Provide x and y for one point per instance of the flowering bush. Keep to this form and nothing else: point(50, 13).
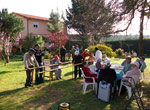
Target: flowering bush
point(103, 48)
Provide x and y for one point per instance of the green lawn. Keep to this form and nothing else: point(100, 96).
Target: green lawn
point(13, 95)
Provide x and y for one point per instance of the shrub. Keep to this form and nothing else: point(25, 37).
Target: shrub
point(103, 48)
point(119, 52)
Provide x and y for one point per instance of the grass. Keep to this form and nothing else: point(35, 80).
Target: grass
point(13, 95)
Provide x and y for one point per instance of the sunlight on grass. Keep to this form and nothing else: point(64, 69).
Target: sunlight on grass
point(14, 96)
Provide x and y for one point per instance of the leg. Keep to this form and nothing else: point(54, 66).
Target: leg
point(75, 71)
point(79, 71)
point(59, 73)
point(56, 74)
point(41, 75)
point(36, 76)
point(29, 78)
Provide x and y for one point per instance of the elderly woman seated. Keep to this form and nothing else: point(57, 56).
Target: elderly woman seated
point(88, 72)
point(134, 73)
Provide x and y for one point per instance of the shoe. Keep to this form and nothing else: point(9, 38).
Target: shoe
point(25, 86)
point(57, 78)
point(60, 78)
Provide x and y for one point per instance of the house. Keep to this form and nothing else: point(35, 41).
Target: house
point(34, 24)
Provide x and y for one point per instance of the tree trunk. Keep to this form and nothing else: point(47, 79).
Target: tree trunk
point(5, 51)
point(141, 29)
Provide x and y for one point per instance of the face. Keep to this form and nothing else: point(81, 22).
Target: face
point(31, 53)
point(37, 47)
point(141, 59)
point(128, 60)
point(133, 66)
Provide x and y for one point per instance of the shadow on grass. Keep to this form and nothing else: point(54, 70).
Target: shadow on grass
point(68, 74)
point(4, 72)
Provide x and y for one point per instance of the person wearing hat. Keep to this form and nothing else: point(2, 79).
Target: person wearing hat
point(127, 64)
point(135, 72)
point(77, 59)
point(38, 55)
point(56, 61)
point(29, 61)
point(85, 53)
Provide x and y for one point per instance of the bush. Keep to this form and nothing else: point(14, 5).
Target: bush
point(103, 48)
point(119, 52)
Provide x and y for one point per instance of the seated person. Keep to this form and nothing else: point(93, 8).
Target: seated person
point(106, 59)
point(99, 65)
point(88, 73)
point(58, 71)
point(92, 58)
point(92, 67)
point(107, 74)
point(135, 73)
point(127, 64)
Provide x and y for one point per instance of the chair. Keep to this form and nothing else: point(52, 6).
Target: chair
point(85, 84)
point(129, 88)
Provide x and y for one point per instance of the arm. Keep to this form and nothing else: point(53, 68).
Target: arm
point(36, 63)
point(25, 61)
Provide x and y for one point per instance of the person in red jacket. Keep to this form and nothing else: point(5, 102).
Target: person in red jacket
point(88, 72)
point(85, 53)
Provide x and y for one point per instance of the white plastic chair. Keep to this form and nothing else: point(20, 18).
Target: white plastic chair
point(129, 89)
point(85, 84)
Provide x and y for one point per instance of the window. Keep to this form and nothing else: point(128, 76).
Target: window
point(35, 24)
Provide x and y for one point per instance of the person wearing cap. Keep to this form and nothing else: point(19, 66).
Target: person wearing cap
point(56, 61)
point(29, 61)
point(85, 53)
point(127, 64)
point(77, 59)
point(135, 72)
point(38, 55)
point(98, 53)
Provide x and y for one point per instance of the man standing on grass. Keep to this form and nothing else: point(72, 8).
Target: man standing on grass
point(38, 55)
point(98, 54)
point(29, 61)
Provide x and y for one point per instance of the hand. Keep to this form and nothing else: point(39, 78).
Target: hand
point(38, 67)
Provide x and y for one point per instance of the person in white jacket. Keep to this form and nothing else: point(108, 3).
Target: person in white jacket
point(98, 54)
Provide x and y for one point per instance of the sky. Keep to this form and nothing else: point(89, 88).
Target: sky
point(43, 8)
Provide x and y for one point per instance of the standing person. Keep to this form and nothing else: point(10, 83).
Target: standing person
point(76, 60)
point(73, 51)
point(98, 53)
point(77, 48)
point(85, 53)
point(63, 53)
point(58, 71)
point(143, 65)
point(38, 55)
point(29, 61)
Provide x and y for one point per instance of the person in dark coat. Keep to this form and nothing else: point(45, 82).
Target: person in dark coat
point(76, 60)
point(107, 74)
point(38, 55)
point(63, 53)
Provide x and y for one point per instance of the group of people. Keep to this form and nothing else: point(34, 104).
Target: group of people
point(34, 57)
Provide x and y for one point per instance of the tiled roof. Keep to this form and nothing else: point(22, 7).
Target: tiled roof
point(31, 16)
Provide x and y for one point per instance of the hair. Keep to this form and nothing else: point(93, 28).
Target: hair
point(37, 45)
point(128, 57)
point(142, 57)
point(96, 48)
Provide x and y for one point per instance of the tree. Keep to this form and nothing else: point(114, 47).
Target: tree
point(128, 9)
point(11, 26)
point(56, 28)
point(92, 19)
